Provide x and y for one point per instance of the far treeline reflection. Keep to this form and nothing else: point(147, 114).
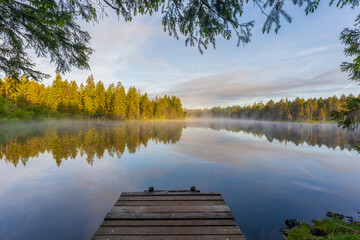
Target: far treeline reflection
point(66, 140)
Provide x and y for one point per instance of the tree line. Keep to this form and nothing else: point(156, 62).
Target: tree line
point(299, 109)
point(30, 99)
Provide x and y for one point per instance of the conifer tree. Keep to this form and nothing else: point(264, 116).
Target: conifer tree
point(56, 92)
point(109, 100)
point(146, 108)
point(101, 99)
point(120, 102)
point(74, 98)
point(91, 100)
point(89, 97)
point(133, 103)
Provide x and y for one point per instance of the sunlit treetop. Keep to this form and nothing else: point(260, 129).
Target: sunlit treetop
point(49, 28)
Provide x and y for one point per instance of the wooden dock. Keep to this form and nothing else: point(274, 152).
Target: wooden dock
point(170, 215)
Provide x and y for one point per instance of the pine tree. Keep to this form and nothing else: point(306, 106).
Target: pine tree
point(109, 100)
point(120, 102)
point(100, 98)
point(133, 103)
point(89, 97)
point(146, 109)
point(91, 100)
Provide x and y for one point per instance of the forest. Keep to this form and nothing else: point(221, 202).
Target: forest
point(312, 109)
point(28, 100)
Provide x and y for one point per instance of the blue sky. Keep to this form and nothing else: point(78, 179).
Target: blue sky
point(302, 60)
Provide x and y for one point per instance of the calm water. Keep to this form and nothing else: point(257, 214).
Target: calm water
point(59, 179)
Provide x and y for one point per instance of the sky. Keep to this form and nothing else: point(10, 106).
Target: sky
point(302, 60)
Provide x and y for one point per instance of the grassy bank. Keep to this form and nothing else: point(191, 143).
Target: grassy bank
point(334, 227)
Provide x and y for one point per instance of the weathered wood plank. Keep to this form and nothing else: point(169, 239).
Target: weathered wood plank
point(168, 203)
point(171, 198)
point(170, 215)
point(164, 223)
point(213, 230)
point(167, 193)
point(173, 237)
point(170, 209)
point(195, 215)
point(185, 190)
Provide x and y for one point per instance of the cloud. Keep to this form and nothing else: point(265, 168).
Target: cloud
point(119, 47)
point(314, 50)
point(232, 87)
point(347, 87)
point(244, 151)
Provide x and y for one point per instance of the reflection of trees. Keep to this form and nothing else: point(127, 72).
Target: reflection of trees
point(67, 141)
point(92, 140)
point(312, 134)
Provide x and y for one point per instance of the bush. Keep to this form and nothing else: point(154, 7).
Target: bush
point(335, 227)
point(2, 101)
point(3, 112)
point(24, 115)
point(55, 114)
point(11, 108)
point(38, 110)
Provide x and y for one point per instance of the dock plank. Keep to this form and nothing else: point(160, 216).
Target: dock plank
point(202, 237)
point(147, 223)
point(172, 198)
point(169, 193)
point(168, 203)
point(170, 209)
point(170, 215)
point(195, 215)
point(173, 230)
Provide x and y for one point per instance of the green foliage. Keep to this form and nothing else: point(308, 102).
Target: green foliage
point(350, 38)
point(332, 228)
point(31, 100)
point(50, 29)
point(349, 118)
point(3, 111)
point(54, 114)
point(24, 115)
point(38, 111)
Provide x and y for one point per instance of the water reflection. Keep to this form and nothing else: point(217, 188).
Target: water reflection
point(65, 140)
point(267, 172)
point(298, 133)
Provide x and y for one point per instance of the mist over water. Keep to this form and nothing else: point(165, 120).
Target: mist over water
point(60, 178)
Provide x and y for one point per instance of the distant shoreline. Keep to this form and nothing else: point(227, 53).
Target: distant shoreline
point(11, 121)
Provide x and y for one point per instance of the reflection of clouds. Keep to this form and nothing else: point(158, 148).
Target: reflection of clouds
point(271, 175)
point(312, 187)
point(241, 151)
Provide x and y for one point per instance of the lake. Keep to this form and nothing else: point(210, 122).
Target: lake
point(60, 178)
